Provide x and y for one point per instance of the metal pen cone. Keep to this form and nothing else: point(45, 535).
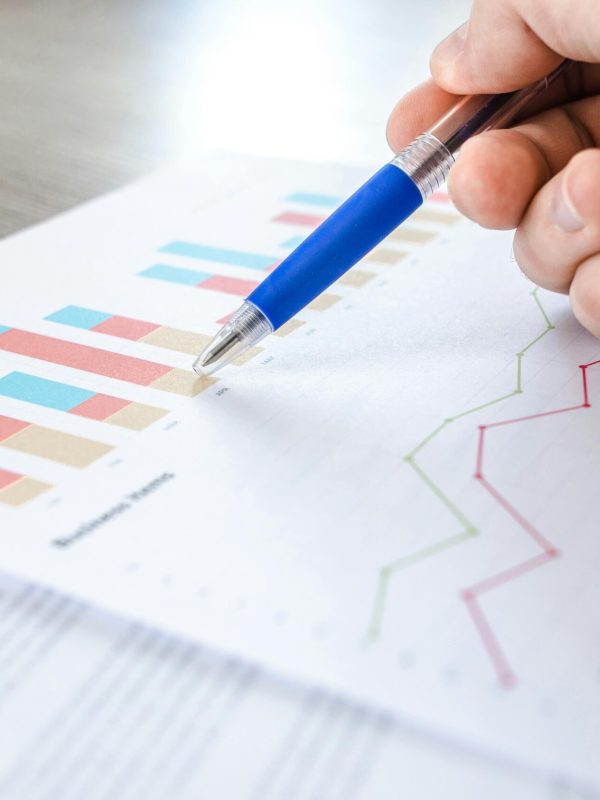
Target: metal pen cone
point(218, 349)
point(244, 329)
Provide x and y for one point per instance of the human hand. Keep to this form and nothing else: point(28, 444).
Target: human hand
point(542, 176)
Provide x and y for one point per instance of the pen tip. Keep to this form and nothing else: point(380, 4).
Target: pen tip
point(247, 327)
point(216, 351)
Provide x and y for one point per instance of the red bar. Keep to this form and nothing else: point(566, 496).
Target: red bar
point(10, 426)
point(221, 283)
point(8, 478)
point(100, 406)
point(79, 356)
point(125, 328)
point(296, 218)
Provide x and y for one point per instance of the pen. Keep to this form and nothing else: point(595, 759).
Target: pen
point(364, 220)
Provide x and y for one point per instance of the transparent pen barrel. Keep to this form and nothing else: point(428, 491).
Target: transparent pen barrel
point(427, 163)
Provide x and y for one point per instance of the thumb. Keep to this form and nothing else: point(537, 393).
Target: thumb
point(507, 44)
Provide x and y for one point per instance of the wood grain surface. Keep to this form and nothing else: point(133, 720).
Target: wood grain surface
point(85, 90)
point(94, 93)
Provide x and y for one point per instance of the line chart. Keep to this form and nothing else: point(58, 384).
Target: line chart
point(548, 552)
point(467, 528)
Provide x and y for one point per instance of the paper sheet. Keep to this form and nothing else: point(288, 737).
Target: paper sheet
point(394, 500)
point(98, 707)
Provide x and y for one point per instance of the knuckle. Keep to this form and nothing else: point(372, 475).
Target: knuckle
point(585, 295)
point(537, 263)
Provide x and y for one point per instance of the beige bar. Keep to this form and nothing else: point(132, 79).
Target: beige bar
point(324, 302)
point(22, 491)
point(64, 448)
point(136, 416)
point(412, 235)
point(436, 217)
point(290, 326)
point(250, 353)
point(179, 381)
point(175, 339)
point(385, 255)
point(356, 277)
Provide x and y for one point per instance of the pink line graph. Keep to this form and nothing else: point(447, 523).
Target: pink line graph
point(471, 595)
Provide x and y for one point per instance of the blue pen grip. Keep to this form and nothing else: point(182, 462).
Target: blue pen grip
point(358, 225)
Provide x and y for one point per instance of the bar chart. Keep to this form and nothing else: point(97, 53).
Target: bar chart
point(102, 362)
point(208, 279)
point(16, 489)
point(403, 234)
point(219, 255)
point(200, 280)
point(132, 329)
point(226, 268)
point(136, 330)
point(220, 283)
point(37, 440)
point(81, 402)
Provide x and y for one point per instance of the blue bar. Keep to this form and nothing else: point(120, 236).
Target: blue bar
point(187, 277)
point(327, 200)
point(293, 242)
point(3, 329)
point(78, 317)
point(219, 255)
point(42, 392)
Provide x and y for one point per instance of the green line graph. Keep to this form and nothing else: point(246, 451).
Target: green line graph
point(467, 528)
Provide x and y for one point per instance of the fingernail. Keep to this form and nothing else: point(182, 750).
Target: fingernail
point(452, 46)
point(563, 212)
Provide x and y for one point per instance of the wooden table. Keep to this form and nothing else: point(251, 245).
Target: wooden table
point(97, 92)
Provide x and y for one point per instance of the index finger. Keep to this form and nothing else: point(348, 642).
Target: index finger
point(508, 44)
point(418, 110)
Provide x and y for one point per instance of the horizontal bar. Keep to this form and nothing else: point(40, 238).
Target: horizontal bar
point(126, 328)
point(300, 218)
point(101, 322)
point(99, 407)
point(141, 331)
point(8, 478)
point(219, 255)
point(42, 392)
point(405, 234)
point(435, 216)
point(80, 402)
point(186, 277)
point(293, 242)
point(177, 340)
point(63, 448)
point(290, 326)
point(136, 416)
point(323, 302)
point(356, 277)
point(313, 199)
point(385, 255)
point(10, 426)
point(22, 490)
point(222, 283)
point(78, 317)
point(79, 356)
point(412, 235)
point(103, 362)
point(200, 280)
